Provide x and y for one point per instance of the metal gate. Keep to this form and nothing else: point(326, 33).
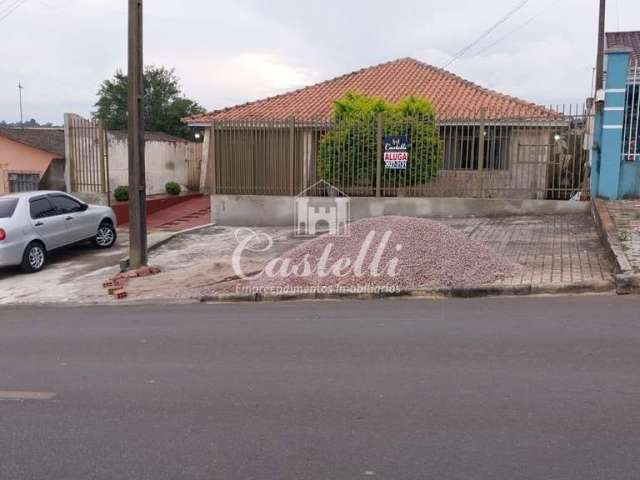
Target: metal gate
point(87, 155)
point(194, 163)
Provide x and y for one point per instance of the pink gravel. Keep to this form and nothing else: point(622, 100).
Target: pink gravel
point(429, 255)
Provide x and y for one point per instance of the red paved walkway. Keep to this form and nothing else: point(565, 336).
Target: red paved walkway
point(189, 214)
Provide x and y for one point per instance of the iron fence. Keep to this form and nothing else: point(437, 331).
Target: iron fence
point(542, 157)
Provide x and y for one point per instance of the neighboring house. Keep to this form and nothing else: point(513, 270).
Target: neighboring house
point(518, 135)
point(31, 159)
point(631, 131)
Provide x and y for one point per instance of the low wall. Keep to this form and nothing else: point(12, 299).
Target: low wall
point(264, 210)
point(154, 204)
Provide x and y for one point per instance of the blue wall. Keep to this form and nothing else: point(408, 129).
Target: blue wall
point(612, 177)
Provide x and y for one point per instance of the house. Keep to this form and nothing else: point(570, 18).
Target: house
point(522, 153)
point(31, 159)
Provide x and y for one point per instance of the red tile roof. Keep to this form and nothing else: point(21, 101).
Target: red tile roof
point(625, 39)
point(453, 97)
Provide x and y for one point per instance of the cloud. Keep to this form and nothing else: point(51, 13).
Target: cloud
point(232, 52)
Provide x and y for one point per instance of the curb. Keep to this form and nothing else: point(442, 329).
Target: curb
point(124, 263)
point(471, 292)
point(626, 280)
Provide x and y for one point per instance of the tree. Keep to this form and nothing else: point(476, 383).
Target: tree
point(164, 106)
point(348, 151)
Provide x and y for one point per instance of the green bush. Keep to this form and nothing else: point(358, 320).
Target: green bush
point(121, 193)
point(348, 152)
point(173, 188)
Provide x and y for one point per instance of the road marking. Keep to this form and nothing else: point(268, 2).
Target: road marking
point(17, 395)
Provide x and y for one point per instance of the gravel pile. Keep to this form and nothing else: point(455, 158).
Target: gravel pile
point(426, 254)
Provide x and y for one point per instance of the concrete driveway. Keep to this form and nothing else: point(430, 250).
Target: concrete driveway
point(73, 274)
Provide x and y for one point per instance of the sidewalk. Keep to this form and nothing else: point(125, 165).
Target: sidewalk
point(626, 217)
point(557, 253)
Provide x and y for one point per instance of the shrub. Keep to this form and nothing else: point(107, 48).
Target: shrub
point(173, 188)
point(121, 193)
point(348, 152)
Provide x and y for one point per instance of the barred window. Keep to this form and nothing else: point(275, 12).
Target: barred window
point(462, 148)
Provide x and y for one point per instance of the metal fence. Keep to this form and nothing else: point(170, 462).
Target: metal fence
point(543, 157)
point(631, 128)
point(87, 155)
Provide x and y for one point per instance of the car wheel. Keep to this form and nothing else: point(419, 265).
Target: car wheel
point(34, 258)
point(106, 236)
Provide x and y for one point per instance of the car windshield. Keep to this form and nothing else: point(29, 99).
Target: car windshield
point(7, 207)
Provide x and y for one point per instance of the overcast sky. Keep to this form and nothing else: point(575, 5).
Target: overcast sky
point(229, 52)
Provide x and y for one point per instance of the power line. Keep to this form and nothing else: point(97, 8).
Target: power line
point(488, 32)
point(12, 8)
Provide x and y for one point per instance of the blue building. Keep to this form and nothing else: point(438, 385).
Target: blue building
point(616, 149)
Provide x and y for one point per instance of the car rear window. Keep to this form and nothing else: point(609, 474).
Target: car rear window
point(7, 207)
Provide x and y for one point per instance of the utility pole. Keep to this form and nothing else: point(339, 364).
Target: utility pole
point(137, 182)
point(20, 87)
point(600, 58)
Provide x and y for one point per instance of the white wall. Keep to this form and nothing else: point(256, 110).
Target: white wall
point(165, 161)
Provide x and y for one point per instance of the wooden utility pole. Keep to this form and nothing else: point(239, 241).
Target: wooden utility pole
point(600, 58)
point(137, 182)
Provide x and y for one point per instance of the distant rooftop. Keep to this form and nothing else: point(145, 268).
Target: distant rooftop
point(50, 140)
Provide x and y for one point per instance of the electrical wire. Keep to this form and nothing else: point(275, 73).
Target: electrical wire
point(12, 8)
point(488, 32)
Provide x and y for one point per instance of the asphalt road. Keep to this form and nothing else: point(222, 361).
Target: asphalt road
point(525, 388)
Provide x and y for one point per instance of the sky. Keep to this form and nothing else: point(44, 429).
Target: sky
point(233, 51)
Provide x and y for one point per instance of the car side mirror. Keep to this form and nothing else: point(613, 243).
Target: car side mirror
point(85, 207)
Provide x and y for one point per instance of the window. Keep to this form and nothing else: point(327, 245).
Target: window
point(7, 207)
point(631, 135)
point(41, 208)
point(462, 148)
point(23, 182)
point(65, 204)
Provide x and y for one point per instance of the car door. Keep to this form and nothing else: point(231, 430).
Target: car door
point(79, 221)
point(49, 225)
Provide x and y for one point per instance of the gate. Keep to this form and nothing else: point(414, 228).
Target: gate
point(194, 163)
point(87, 155)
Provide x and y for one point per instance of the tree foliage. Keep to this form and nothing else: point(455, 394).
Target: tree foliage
point(348, 152)
point(164, 105)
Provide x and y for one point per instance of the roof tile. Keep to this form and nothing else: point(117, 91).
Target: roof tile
point(453, 97)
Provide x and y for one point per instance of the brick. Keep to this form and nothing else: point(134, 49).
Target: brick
point(120, 294)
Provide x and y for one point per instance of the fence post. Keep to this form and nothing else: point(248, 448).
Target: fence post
point(481, 153)
point(210, 174)
point(102, 165)
point(379, 154)
point(292, 146)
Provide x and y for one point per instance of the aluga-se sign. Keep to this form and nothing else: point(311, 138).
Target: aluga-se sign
point(396, 154)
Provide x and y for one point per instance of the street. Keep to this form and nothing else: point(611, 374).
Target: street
point(495, 388)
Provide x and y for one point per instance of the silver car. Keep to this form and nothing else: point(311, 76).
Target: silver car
point(35, 223)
